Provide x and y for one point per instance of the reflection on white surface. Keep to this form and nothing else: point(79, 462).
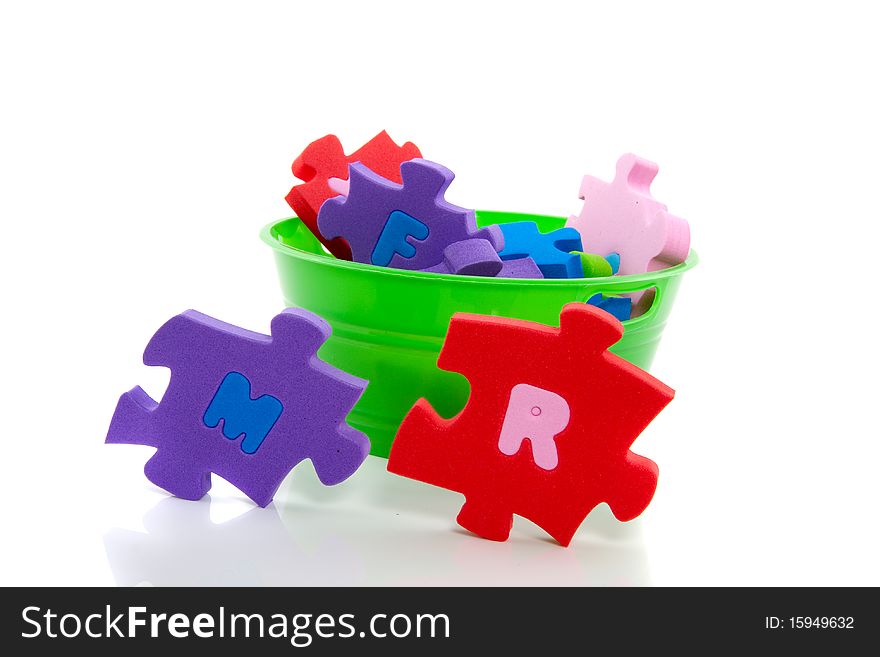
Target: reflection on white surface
point(374, 529)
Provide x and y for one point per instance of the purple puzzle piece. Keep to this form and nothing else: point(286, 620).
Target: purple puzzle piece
point(361, 217)
point(472, 257)
point(243, 405)
point(474, 260)
point(520, 268)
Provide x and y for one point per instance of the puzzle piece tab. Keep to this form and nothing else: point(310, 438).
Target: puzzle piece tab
point(622, 217)
point(613, 260)
point(519, 268)
point(472, 257)
point(550, 251)
point(227, 383)
point(323, 168)
point(379, 214)
point(594, 266)
point(595, 405)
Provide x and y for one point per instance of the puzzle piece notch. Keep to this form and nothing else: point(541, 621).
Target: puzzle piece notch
point(550, 251)
point(201, 351)
point(610, 400)
point(361, 218)
point(323, 168)
point(623, 217)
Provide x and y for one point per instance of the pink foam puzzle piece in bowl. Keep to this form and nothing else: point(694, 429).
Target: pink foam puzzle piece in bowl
point(622, 217)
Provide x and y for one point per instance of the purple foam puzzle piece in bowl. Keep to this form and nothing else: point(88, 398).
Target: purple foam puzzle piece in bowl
point(361, 217)
point(473, 257)
point(520, 268)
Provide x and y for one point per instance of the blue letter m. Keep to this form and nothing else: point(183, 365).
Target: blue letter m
point(254, 418)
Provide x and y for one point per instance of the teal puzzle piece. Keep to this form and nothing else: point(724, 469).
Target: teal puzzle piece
point(620, 307)
point(613, 260)
point(254, 418)
point(393, 238)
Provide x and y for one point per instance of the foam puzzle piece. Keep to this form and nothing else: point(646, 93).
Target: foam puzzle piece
point(271, 391)
point(550, 251)
point(323, 168)
point(473, 257)
point(609, 402)
point(373, 213)
point(519, 268)
point(594, 266)
point(613, 260)
point(619, 307)
point(622, 217)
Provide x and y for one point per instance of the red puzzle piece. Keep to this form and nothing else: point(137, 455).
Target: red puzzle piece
point(324, 159)
point(578, 406)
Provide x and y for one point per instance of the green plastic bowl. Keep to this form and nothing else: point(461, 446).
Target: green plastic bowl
point(389, 324)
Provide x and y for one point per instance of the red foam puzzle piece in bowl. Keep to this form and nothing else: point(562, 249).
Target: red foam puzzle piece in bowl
point(324, 160)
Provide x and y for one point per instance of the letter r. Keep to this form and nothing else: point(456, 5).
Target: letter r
point(536, 414)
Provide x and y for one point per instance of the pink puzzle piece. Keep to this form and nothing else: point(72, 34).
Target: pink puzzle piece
point(622, 217)
point(537, 415)
point(339, 186)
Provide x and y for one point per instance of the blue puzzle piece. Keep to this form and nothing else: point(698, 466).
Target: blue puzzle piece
point(613, 260)
point(254, 418)
point(619, 307)
point(393, 238)
point(550, 251)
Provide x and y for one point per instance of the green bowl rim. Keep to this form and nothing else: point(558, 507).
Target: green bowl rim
point(269, 235)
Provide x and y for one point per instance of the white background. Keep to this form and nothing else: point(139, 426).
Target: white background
point(145, 144)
